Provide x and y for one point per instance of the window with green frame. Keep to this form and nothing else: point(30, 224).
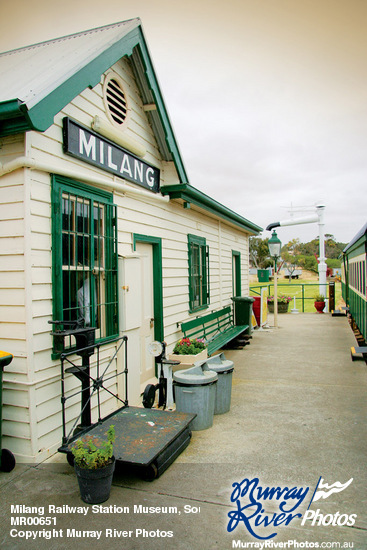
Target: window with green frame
point(198, 272)
point(84, 256)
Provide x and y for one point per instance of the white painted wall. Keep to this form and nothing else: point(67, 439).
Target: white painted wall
point(31, 397)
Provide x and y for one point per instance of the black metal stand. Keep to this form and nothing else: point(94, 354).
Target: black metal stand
point(161, 387)
point(148, 441)
point(90, 386)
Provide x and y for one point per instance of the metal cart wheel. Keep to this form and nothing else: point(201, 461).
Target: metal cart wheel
point(7, 461)
point(150, 472)
point(149, 396)
point(70, 459)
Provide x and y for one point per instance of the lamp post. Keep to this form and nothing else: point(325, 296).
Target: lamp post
point(275, 246)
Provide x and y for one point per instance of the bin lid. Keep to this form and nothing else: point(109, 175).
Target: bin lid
point(217, 363)
point(243, 299)
point(195, 376)
point(5, 358)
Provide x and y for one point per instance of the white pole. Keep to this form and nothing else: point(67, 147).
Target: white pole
point(322, 260)
point(275, 295)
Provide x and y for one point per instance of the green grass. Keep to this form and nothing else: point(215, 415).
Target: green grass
point(299, 288)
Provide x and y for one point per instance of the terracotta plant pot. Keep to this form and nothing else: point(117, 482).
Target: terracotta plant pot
point(319, 306)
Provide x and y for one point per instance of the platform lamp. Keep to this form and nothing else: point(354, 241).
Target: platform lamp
point(275, 246)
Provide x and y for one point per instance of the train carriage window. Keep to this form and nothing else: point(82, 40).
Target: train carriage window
point(360, 276)
point(85, 257)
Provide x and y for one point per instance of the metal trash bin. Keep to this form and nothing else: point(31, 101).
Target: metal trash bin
point(223, 391)
point(195, 393)
point(7, 460)
point(242, 306)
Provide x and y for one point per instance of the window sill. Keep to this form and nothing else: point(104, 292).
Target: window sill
point(201, 308)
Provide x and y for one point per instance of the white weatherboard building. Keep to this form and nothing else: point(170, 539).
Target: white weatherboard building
point(98, 223)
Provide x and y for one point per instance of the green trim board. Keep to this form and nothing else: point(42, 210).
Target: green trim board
point(15, 117)
point(156, 243)
point(190, 194)
point(236, 273)
point(199, 280)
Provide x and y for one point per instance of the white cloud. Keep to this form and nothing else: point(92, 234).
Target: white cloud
point(267, 99)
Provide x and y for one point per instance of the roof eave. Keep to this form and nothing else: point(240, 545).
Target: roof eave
point(190, 194)
point(361, 233)
point(15, 117)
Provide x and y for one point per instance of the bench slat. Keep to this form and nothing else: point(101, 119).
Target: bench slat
point(216, 328)
point(199, 321)
point(225, 337)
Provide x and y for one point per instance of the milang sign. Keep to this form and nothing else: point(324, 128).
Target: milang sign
point(83, 143)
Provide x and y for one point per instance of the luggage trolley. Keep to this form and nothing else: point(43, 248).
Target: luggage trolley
point(147, 440)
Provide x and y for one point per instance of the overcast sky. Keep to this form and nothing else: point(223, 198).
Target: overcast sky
point(267, 98)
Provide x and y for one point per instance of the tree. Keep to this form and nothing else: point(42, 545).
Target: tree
point(291, 263)
point(290, 254)
point(308, 262)
point(293, 247)
point(259, 252)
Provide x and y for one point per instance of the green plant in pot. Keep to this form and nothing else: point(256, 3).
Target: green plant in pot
point(94, 465)
point(319, 303)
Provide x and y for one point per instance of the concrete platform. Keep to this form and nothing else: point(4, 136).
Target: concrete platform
point(298, 413)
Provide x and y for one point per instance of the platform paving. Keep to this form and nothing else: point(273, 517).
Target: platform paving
point(298, 413)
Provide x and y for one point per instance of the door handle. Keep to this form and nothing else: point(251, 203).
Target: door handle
point(152, 322)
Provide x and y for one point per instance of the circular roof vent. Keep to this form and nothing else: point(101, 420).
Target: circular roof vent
point(115, 101)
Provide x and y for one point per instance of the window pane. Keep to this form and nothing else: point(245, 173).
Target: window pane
point(99, 236)
point(86, 301)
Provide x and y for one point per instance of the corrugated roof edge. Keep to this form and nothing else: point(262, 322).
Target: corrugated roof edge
point(190, 194)
point(69, 36)
point(15, 118)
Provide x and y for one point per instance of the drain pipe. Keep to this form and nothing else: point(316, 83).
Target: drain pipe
point(32, 164)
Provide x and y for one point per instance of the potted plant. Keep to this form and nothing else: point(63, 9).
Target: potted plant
point(189, 350)
point(283, 302)
point(319, 303)
point(94, 465)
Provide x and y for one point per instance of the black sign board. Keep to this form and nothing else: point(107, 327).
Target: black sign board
point(84, 144)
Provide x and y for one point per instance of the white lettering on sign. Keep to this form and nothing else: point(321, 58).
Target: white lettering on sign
point(150, 177)
point(88, 146)
point(138, 170)
point(109, 158)
point(125, 166)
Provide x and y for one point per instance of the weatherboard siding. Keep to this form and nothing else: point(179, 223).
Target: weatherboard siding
point(31, 397)
point(13, 330)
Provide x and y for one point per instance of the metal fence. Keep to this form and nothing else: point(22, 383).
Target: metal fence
point(302, 294)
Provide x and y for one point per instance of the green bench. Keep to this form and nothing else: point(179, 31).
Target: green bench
point(216, 328)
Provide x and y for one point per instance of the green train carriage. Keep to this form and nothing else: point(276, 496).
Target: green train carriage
point(354, 278)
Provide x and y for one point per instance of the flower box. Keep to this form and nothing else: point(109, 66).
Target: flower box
point(282, 307)
point(189, 360)
point(283, 302)
point(189, 350)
